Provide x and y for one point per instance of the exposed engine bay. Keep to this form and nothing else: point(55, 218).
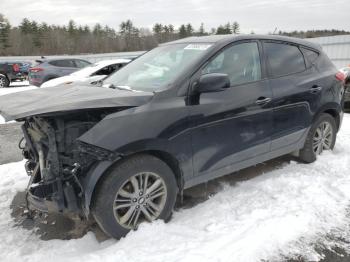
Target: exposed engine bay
point(56, 161)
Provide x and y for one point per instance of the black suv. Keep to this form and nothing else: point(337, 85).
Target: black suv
point(182, 114)
point(10, 71)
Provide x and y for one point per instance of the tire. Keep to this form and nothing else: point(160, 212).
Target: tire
point(117, 190)
point(312, 148)
point(4, 82)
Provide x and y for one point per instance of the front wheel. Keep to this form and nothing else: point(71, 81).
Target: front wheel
point(321, 137)
point(140, 189)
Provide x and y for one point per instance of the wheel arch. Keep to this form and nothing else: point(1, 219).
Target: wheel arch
point(332, 109)
point(5, 75)
point(102, 169)
point(335, 114)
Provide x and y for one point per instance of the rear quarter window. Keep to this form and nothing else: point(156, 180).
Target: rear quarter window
point(284, 59)
point(310, 56)
point(81, 63)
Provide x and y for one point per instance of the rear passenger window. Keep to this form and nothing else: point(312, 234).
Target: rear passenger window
point(63, 63)
point(309, 55)
point(284, 59)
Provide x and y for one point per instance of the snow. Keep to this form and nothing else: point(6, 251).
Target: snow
point(286, 212)
point(15, 87)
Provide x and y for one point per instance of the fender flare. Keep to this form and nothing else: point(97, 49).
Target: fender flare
point(90, 181)
point(333, 107)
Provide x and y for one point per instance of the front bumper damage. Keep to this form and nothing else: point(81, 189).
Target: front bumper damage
point(57, 164)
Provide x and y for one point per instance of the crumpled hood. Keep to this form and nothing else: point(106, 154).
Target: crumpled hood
point(60, 99)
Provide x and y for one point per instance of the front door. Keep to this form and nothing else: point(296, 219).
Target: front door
point(234, 125)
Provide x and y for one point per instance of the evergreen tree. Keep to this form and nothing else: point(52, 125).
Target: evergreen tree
point(71, 28)
point(227, 29)
point(189, 29)
point(25, 26)
point(235, 27)
point(182, 31)
point(157, 30)
point(5, 28)
point(201, 31)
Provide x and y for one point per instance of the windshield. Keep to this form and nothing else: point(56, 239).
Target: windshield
point(87, 71)
point(158, 68)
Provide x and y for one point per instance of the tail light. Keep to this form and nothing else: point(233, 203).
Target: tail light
point(15, 67)
point(340, 76)
point(36, 69)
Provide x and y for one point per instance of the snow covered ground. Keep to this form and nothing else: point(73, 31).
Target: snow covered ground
point(289, 212)
point(15, 87)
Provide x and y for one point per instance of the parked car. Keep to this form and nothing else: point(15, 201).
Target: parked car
point(9, 72)
point(346, 72)
point(186, 112)
point(47, 69)
point(24, 67)
point(91, 74)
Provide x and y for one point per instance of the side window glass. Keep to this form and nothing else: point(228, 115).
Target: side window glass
point(284, 59)
point(63, 63)
point(81, 63)
point(107, 70)
point(309, 55)
point(241, 62)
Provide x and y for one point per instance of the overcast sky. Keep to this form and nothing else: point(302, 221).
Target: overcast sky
point(260, 16)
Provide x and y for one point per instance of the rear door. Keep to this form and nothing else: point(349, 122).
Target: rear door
point(234, 125)
point(296, 91)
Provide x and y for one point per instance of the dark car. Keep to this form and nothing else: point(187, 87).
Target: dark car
point(346, 73)
point(47, 69)
point(9, 72)
point(180, 115)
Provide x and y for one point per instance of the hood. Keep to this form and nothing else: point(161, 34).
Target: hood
point(67, 98)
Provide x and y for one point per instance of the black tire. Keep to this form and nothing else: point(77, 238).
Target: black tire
point(107, 190)
point(307, 153)
point(4, 82)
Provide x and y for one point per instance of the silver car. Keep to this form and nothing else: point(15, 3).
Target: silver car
point(47, 69)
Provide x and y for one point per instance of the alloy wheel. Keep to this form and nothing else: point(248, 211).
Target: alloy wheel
point(323, 138)
point(141, 198)
point(2, 82)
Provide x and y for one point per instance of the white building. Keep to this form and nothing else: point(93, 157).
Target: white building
point(336, 47)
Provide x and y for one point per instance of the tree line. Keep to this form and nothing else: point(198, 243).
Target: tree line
point(33, 38)
point(314, 33)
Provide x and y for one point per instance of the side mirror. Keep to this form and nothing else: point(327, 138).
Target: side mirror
point(214, 82)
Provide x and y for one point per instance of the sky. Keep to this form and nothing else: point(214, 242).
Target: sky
point(259, 16)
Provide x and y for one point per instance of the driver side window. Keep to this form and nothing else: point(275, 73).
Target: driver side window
point(241, 62)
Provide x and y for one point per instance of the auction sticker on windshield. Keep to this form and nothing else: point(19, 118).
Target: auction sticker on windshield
point(198, 46)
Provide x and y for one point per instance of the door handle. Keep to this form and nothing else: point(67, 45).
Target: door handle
point(262, 100)
point(315, 89)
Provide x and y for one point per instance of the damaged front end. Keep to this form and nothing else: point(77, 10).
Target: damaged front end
point(57, 162)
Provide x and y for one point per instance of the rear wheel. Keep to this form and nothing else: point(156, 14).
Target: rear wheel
point(321, 137)
point(4, 82)
point(140, 189)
